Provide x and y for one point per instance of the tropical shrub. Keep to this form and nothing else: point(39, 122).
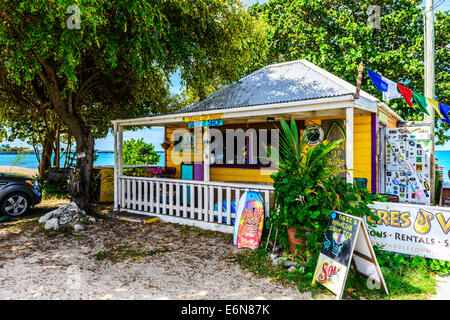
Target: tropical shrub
point(138, 152)
point(307, 190)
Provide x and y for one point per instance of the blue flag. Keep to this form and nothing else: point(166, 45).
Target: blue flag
point(377, 80)
point(444, 111)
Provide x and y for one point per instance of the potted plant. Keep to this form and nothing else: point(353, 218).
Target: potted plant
point(303, 188)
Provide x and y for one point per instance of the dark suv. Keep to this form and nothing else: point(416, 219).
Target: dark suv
point(17, 194)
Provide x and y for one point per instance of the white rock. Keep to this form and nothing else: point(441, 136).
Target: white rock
point(78, 227)
point(73, 204)
point(46, 217)
point(292, 269)
point(52, 224)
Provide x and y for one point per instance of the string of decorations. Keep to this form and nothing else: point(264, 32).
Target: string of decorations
point(392, 90)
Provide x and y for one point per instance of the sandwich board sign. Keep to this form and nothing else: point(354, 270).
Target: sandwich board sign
point(346, 241)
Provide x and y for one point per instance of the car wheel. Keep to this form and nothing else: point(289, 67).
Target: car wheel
point(15, 204)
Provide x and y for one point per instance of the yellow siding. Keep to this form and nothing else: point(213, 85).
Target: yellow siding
point(240, 175)
point(362, 148)
point(362, 156)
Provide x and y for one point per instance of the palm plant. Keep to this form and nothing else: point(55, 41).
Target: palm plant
point(304, 184)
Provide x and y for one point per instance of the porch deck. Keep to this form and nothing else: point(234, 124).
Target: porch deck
point(207, 204)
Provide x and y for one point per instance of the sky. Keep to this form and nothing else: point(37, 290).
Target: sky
point(155, 135)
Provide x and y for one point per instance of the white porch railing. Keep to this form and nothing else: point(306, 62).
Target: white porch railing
point(204, 204)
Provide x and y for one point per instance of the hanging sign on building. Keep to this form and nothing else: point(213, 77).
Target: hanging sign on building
point(206, 123)
point(315, 134)
point(412, 229)
point(346, 240)
point(408, 164)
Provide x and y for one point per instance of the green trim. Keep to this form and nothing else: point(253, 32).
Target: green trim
point(331, 126)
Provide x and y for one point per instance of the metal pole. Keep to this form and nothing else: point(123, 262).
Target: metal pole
point(429, 78)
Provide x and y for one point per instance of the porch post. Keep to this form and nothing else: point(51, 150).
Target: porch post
point(349, 122)
point(120, 138)
point(206, 153)
point(116, 191)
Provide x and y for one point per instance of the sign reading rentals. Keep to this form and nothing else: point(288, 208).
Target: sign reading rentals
point(412, 229)
point(346, 240)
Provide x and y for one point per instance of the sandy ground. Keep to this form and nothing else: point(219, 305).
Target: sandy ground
point(39, 265)
point(443, 289)
point(19, 170)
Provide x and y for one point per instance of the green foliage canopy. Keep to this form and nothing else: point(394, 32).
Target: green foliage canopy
point(335, 35)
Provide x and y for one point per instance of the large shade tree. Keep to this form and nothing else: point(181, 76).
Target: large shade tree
point(338, 34)
point(115, 61)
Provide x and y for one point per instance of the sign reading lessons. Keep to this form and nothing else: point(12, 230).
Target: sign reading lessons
point(412, 229)
point(346, 240)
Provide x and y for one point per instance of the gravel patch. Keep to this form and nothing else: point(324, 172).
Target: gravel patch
point(115, 259)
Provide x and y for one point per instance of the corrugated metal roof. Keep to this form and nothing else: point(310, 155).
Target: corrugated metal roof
point(284, 82)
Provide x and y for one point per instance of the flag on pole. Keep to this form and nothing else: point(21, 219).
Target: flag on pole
point(435, 106)
point(386, 86)
point(392, 92)
point(444, 111)
point(421, 101)
point(406, 93)
point(377, 80)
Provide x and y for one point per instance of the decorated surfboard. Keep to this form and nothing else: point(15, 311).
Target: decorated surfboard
point(240, 208)
point(251, 222)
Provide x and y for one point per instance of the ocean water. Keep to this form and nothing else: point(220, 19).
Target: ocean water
point(30, 161)
point(107, 158)
point(443, 157)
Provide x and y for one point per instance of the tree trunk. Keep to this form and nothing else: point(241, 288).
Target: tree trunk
point(56, 160)
point(80, 177)
point(45, 163)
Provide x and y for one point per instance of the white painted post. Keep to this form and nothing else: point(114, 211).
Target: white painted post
point(200, 202)
point(211, 203)
point(429, 88)
point(349, 123)
point(116, 185)
point(133, 192)
point(128, 193)
point(177, 199)
point(192, 188)
point(146, 195)
point(120, 150)
point(219, 204)
point(164, 198)
point(206, 153)
point(139, 195)
point(158, 197)
point(152, 203)
point(170, 185)
point(228, 213)
point(184, 191)
point(205, 203)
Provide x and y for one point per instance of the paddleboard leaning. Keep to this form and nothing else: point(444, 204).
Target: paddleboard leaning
point(249, 221)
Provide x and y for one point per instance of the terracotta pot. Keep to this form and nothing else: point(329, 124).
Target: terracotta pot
point(293, 241)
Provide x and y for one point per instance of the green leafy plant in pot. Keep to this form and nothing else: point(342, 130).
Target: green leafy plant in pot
point(303, 188)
